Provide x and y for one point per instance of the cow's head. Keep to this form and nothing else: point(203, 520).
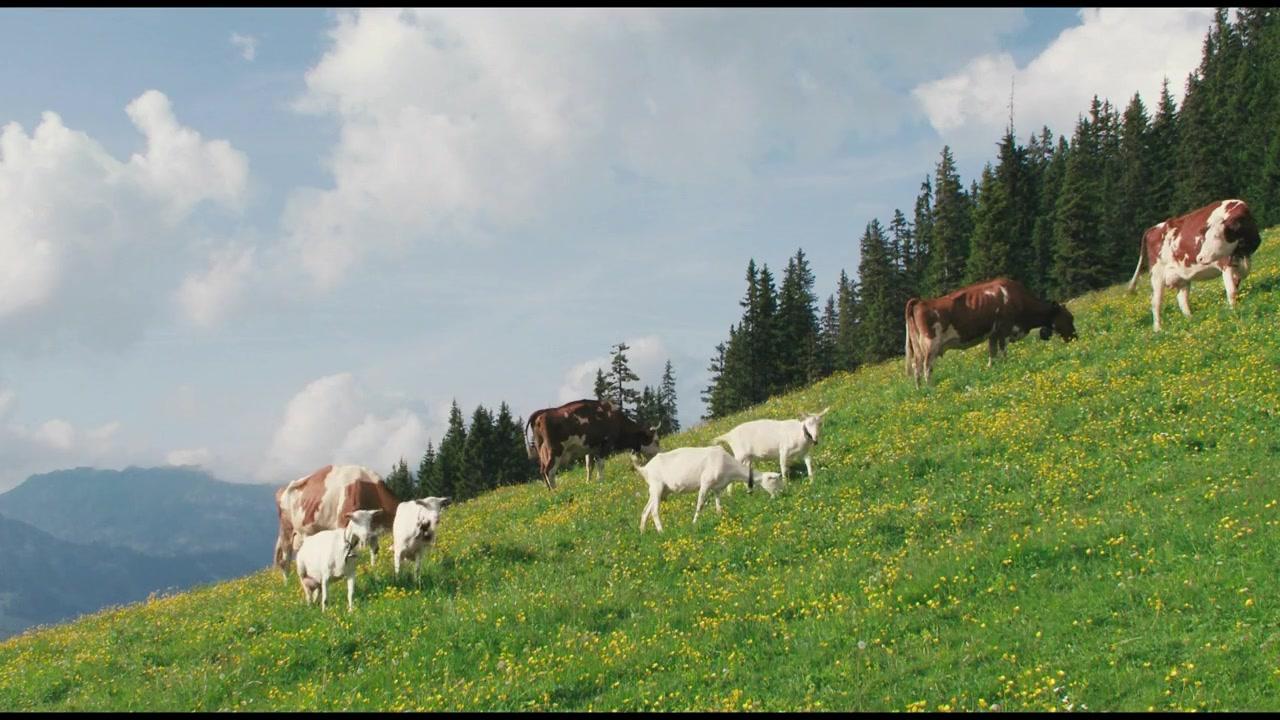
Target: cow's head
point(1062, 323)
point(284, 552)
point(360, 525)
point(812, 424)
point(429, 516)
point(649, 442)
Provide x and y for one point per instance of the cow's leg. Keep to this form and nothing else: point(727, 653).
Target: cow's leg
point(417, 567)
point(1157, 297)
point(351, 590)
point(993, 346)
point(587, 461)
point(1184, 299)
point(1232, 283)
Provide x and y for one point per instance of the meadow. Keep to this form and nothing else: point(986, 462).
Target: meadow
point(1084, 526)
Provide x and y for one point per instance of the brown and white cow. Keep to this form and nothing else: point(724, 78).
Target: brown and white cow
point(997, 311)
point(324, 500)
point(584, 427)
point(1217, 239)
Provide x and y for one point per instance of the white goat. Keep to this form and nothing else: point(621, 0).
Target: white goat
point(332, 554)
point(414, 529)
point(705, 469)
point(775, 439)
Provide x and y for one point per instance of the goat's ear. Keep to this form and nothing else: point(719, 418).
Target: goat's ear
point(825, 410)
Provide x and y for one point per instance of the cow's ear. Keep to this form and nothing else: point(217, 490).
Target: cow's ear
point(654, 429)
point(445, 501)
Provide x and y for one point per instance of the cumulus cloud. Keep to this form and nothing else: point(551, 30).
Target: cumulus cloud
point(51, 444)
point(247, 44)
point(1112, 53)
point(455, 124)
point(207, 297)
point(77, 225)
point(334, 419)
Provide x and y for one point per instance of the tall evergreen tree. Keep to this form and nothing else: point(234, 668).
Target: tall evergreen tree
point(602, 385)
point(1162, 157)
point(922, 240)
point(797, 325)
point(480, 454)
point(619, 375)
point(512, 464)
point(714, 395)
point(991, 248)
point(950, 231)
point(428, 474)
point(1079, 258)
point(764, 339)
point(828, 330)
point(449, 457)
point(1040, 275)
point(1205, 167)
point(667, 401)
point(849, 310)
point(1134, 203)
point(881, 328)
point(400, 482)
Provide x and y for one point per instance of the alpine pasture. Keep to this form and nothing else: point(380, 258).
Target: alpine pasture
point(1086, 526)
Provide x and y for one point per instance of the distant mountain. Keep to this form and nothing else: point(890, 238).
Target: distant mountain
point(156, 511)
point(46, 580)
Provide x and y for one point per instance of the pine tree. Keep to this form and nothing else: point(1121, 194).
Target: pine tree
point(1205, 167)
point(400, 482)
point(428, 475)
point(479, 456)
point(797, 325)
point(714, 395)
point(619, 375)
point(922, 227)
point(647, 410)
point(602, 385)
point(667, 401)
point(849, 310)
point(990, 250)
point(763, 336)
point(1134, 202)
point(449, 457)
point(1079, 261)
point(1163, 144)
point(511, 464)
point(1040, 271)
point(950, 229)
point(881, 326)
point(828, 331)
point(901, 238)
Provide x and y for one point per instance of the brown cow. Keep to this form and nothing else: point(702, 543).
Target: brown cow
point(584, 427)
point(997, 311)
point(324, 500)
point(1217, 239)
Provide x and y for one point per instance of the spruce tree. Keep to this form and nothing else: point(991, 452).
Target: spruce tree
point(922, 229)
point(428, 475)
point(602, 385)
point(449, 457)
point(511, 462)
point(950, 229)
point(828, 331)
point(1040, 272)
point(881, 326)
point(1134, 201)
point(990, 250)
point(713, 395)
point(849, 310)
point(1079, 260)
point(763, 339)
point(619, 375)
point(400, 482)
point(479, 456)
point(1162, 158)
point(797, 325)
point(667, 401)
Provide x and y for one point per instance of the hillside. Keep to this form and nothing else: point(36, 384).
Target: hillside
point(1084, 526)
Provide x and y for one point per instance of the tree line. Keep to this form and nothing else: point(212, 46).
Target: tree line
point(1063, 216)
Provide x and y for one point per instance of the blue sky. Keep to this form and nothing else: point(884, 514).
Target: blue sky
point(263, 240)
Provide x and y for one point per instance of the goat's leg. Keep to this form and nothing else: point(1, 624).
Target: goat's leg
point(782, 460)
point(351, 590)
point(324, 594)
point(702, 496)
point(808, 464)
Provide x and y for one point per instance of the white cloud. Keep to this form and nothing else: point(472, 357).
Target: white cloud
point(330, 421)
point(77, 225)
point(192, 456)
point(51, 444)
point(247, 44)
point(455, 124)
point(207, 297)
point(1112, 53)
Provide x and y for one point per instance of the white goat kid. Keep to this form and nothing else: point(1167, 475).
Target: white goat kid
point(331, 554)
point(414, 529)
point(705, 469)
point(778, 440)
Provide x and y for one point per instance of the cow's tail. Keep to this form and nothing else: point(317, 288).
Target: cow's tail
point(531, 445)
point(909, 350)
point(1142, 254)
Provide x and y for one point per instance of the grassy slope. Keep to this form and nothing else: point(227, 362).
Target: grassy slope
point(1086, 525)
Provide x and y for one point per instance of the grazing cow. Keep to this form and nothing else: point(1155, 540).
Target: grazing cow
point(1217, 239)
point(414, 529)
point(584, 427)
point(997, 311)
point(332, 554)
point(778, 440)
point(324, 500)
point(705, 469)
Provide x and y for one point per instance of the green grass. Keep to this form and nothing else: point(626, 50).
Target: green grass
point(1091, 525)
